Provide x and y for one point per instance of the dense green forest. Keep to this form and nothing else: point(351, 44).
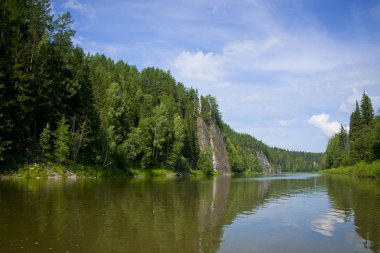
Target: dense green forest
point(361, 143)
point(62, 105)
point(242, 150)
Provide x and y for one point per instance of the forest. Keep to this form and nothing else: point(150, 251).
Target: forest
point(359, 143)
point(62, 105)
point(242, 150)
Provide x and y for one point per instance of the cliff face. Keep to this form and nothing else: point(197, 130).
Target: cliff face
point(211, 136)
point(264, 162)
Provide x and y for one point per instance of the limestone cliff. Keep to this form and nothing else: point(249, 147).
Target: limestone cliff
point(210, 135)
point(264, 162)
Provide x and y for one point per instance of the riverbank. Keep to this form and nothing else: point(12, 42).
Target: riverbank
point(362, 169)
point(74, 170)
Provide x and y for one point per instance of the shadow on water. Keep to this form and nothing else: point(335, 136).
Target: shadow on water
point(177, 215)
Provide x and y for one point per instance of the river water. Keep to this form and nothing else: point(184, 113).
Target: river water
point(281, 213)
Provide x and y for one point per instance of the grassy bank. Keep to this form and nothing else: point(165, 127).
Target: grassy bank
point(74, 170)
point(70, 169)
point(56, 170)
point(362, 169)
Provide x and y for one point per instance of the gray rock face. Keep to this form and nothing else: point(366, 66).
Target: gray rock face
point(211, 136)
point(265, 164)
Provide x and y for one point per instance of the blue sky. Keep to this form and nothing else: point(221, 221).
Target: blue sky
point(286, 72)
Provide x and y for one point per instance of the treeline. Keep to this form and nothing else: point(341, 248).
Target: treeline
point(361, 142)
point(243, 149)
point(61, 105)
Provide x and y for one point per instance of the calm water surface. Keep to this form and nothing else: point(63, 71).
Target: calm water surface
point(283, 213)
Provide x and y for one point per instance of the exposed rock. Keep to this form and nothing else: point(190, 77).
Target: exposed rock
point(211, 136)
point(264, 162)
point(203, 133)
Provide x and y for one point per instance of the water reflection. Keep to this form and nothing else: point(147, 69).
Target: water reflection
point(223, 214)
point(359, 199)
point(325, 225)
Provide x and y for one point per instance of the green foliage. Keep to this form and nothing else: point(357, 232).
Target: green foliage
point(361, 169)
point(132, 146)
point(62, 141)
point(176, 159)
point(243, 149)
point(197, 173)
point(137, 172)
point(210, 110)
point(355, 122)
point(205, 159)
point(162, 173)
point(375, 139)
point(117, 116)
point(45, 139)
point(366, 110)
point(79, 136)
point(362, 142)
point(337, 152)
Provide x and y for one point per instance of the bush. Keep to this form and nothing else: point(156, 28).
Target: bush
point(361, 169)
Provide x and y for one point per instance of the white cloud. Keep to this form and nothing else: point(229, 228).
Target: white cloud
point(322, 121)
point(199, 66)
point(82, 8)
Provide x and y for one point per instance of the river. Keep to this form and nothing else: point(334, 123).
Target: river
point(280, 213)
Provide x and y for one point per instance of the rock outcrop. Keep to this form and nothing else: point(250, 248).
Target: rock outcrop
point(210, 135)
point(264, 162)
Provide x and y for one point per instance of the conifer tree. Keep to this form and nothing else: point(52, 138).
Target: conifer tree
point(45, 138)
point(355, 122)
point(366, 110)
point(62, 141)
point(176, 160)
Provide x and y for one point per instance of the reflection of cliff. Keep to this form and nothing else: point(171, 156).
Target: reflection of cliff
point(360, 199)
point(211, 213)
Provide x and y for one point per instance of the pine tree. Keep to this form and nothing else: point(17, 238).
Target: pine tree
point(344, 145)
point(355, 122)
point(62, 141)
point(176, 159)
point(375, 138)
point(334, 152)
point(205, 110)
point(45, 138)
point(366, 110)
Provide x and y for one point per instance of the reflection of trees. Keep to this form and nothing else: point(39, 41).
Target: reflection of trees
point(157, 215)
point(113, 215)
point(360, 198)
